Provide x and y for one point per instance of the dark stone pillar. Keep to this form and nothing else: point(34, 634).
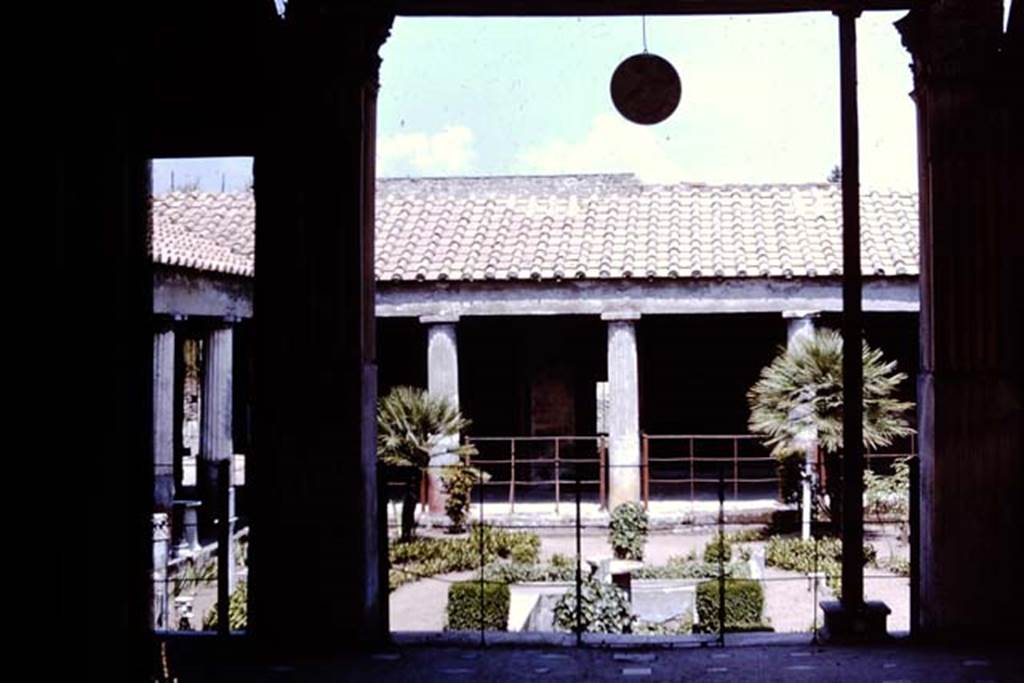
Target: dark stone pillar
point(216, 443)
point(969, 386)
point(163, 415)
point(316, 584)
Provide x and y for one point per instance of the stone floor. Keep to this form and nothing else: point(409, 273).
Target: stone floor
point(783, 660)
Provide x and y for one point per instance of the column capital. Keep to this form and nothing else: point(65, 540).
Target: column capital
point(440, 318)
point(953, 41)
point(620, 316)
point(352, 34)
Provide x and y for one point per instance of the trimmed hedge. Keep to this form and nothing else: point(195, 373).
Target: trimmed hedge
point(744, 604)
point(712, 549)
point(502, 571)
point(464, 606)
point(683, 568)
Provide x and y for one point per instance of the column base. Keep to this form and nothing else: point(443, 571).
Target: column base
point(866, 622)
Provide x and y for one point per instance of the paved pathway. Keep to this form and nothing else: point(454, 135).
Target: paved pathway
point(780, 662)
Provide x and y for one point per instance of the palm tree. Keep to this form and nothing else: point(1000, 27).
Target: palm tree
point(801, 392)
point(412, 427)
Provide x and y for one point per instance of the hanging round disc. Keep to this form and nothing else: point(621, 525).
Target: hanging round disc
point(646, 89)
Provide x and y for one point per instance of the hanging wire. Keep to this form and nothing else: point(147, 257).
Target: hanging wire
point(643, 18)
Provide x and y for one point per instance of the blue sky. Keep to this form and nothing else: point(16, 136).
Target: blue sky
point(519, 96)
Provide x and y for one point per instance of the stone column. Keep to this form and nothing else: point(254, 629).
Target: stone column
point(966, 88)
point(442, 380)
point(161, 550)
point(163, 415)
point(800, 326)
point(318, 576)
point(216, 443)
point(623, 410)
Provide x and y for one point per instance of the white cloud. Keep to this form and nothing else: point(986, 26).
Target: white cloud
point(611, 145)
point(445, 153)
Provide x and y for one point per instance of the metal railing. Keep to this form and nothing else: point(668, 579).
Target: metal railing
point(692, 453)
point(678, 467)
point(555, 448)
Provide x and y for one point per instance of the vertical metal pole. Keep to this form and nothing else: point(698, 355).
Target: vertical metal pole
point(579, 563)
point(915, 545)
point(735, 468)
point(224, 548)
point(602, 494)
point(558, 486)
point(814, 602)
point(512, 478)
point(721, 555)
point(480, 486)
point(646, 473)
point(853, 377)
point(692, 483)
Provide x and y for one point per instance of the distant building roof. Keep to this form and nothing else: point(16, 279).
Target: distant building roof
point(562, 227)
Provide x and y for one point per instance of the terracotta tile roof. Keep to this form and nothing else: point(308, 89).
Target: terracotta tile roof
point(592, 227)
point(204, 231)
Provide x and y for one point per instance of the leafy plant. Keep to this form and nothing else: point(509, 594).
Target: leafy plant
point(468, 610)
point(718, 546)
point(412, 427)
point(888, 495)
point(825, 556)
point(801, 390)
point(673, 627)
point(627, 531)
point(744, 605)
point(458, 485)
point(194, 573)
point(503, 571)
point(686, 568)
point(424, 557)
point(238, 610)
point(604, 608)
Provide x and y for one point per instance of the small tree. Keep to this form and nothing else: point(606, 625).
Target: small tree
point(412, 427)
point(803, 388)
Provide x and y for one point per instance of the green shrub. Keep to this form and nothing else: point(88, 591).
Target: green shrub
point(888, 496)
point(604, 609)
point(674, 627)
point(464, 606)
point(718, 545)
point(502, 571)
point(423, 557)
point(744, 604)
point(685, 568)
point(238, 610)
point(627, 531)
point(798, 555)
point(458, 485)
point(560, 560)
point(747, 535)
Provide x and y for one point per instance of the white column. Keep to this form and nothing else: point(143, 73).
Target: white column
point(163, 416)
point(800, 327)
point(623, 409)
point(442, 380)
